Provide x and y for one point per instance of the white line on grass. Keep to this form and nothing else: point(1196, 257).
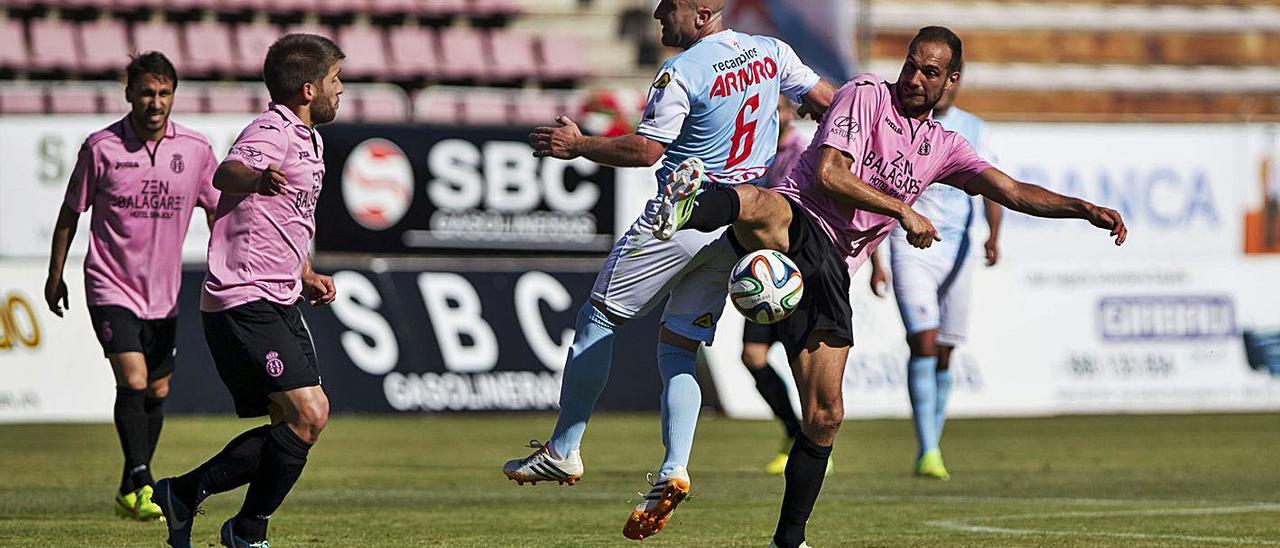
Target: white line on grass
point(967, 525)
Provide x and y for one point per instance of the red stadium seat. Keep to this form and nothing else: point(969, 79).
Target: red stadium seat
point(234, 99)
point(436, 106)
point(13, 47)
point(209, 49)
point(462, 54)
point(366, 54)
point(382, 104)
point(188, 99)
point(53, 46)
point(537, 109)
point(106, 45)
point(21, 100)
point(412, 52)
point(562, 58)
point(486, 109)
point(161, 37)
point(512, 54)
point(72, 99)
point(252, 42)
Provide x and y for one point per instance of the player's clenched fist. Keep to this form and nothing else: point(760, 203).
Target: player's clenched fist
point(557, 142)
point(1110, 219)
point(920, 232)
point(271, 182)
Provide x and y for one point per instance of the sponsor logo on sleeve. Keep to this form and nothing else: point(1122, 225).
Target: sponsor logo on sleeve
point(844, 126)
point(662, 81)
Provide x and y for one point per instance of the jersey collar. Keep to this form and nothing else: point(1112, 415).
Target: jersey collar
point(130, 134)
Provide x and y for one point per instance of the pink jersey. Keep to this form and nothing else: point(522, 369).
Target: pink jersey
point(894, 154)
point(789, 151)
point(260, 243)
point(142, 195)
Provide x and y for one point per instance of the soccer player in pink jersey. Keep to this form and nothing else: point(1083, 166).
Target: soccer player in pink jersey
point(876, 150)
point(259, 270)
point(143, 176)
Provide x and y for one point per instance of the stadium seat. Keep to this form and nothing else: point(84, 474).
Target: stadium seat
point(161, 37)
point(562, 58)
point(512, 54)
point(441, 8)
point(462, 54)
point(13, 48)
point(436, 106)
point(252, 42)
point(53, 46)
point(209, 49)
point(21, 100)
point(389, 7)
point(381, 104)
point(106, 45)
point(188, 99)
point(412, 53)
point(481, 108)
point(234, 99)
point(494, 8)
point(73, 99)
point(290, 7)
point(366, 54)
point(536, 109)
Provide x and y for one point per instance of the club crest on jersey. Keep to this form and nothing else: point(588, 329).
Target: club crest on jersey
point(704, 321)
point(925, 148)
point(176, 164)
point(662, 81)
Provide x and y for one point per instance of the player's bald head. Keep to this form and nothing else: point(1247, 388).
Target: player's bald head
point(716, 6)
point(684, 22)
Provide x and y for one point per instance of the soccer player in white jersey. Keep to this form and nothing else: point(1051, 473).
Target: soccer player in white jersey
point(876, 149)
point(715, 101)
point(933, 286)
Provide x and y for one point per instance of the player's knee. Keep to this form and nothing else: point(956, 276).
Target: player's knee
point(753, 360)
point(158, 389)
point(822, 422)
point(311, 419)
point(134, 381)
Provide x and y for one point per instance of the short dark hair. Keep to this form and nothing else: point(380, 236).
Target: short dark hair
point(153, 63)
point(941, 35)
point(296, 59)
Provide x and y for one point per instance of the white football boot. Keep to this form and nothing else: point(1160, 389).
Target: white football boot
point(653, 512)
point(678, 198)
point(541, 466)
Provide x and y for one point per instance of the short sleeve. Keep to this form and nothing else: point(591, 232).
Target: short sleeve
point(84, 181)
point(962, 164)
point(796, 78)
point(259, 145)
point(851, 117)
point(208, 197)
point(666, 107)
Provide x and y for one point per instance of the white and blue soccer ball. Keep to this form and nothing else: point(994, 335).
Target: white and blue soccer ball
point(765, 286)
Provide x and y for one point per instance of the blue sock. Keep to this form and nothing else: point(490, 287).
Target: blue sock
point(943, 378)
point(922, 384)
point(585, 373)
point(681, 400)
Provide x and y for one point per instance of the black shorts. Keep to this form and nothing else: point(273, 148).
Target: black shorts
point(825, 303)
point(753, 332)
point(260, 348)
point(119, 330)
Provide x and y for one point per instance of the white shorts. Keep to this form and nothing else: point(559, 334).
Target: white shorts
point(932, 287)
point(693, 267)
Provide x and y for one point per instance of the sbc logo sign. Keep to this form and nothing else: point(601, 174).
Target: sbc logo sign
point(18, 325)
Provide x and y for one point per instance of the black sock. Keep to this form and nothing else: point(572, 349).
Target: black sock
point(283, 458)
point(774, 391)
point(154, 408)
point(232, 467)
point(806, 467)
point(131, 425)
point(715, 209)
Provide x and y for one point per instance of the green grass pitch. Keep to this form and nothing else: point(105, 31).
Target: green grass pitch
point(435, 481)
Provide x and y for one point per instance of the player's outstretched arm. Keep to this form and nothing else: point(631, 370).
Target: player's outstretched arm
point(55, 289)
point(814, 103)
point(837, 179)
point(879, 276)
point(234, 177)
point(566, 142)
point(995, 214)
point(1041, 202)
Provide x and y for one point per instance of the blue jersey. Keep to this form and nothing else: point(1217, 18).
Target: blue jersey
point(950, 209)
point(718, 101)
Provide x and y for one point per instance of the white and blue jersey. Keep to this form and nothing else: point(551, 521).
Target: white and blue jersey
point(932, 285)
point(718, 101)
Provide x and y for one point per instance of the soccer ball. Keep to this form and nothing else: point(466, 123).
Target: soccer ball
point(765, 286)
